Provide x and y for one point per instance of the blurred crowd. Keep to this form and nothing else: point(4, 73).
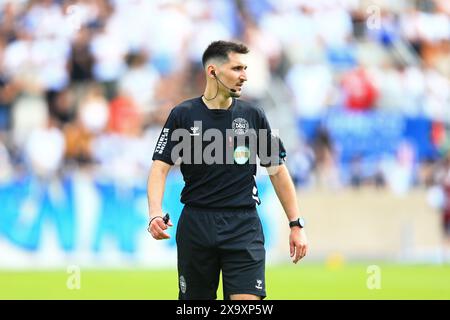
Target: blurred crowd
point(89, 83)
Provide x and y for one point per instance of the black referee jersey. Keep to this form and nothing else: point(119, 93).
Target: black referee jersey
point(218, 150)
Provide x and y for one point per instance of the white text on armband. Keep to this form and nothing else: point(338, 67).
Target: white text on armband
point(162, 141)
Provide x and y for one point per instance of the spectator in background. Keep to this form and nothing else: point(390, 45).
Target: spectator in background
point(326, 166)
point(301, 165)
point(6, 168)
point(356, 172)
point(333, 23)
point(8, 20)
point(207, 29)
point(92, 119)
point(140, 84)
point(29, 112)
point(399, 170)
point(390, 89)
point(61, 106)
point(379, 178)
point(93, 110)
point(8, 92)
point(359, 90)
point(442, 179)
point(170, 40)
point(413, 89)
point(81, 59)
point(436, 102)
point(311, 86)
point(124, 117)
point(109, 52)
point(18, 61)
point(47, 195)
point(44, 150)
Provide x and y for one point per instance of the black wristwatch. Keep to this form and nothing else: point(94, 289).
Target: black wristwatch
point(300, 222)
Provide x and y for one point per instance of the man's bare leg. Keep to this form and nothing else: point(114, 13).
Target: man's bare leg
point(244, 297)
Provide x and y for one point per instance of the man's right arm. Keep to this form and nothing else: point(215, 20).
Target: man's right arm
point(155, 192)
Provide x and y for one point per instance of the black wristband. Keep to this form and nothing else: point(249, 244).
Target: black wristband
point(154, 219)
point(150, 223)
point(165, 219)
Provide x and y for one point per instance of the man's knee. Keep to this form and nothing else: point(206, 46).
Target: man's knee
point(244, 297)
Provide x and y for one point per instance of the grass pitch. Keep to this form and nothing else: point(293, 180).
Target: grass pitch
point(290, 282)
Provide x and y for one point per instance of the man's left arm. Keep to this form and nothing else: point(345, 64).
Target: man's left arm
point(285, 190)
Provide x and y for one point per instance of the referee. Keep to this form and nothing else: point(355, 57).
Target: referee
point(219, 228)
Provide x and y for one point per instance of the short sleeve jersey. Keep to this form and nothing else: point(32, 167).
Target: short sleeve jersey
point(217, 150)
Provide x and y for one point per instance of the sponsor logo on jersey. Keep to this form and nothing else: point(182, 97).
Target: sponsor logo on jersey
point(255, 195)
point(162, 141)
point(195, 131)
point(182, 284)
point(240, 126)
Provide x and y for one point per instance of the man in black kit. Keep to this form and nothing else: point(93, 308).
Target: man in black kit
point(217, 138)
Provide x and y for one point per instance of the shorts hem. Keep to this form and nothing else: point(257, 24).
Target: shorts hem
point(246, 291)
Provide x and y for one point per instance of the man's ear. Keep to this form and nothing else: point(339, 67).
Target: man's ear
point(211, 71)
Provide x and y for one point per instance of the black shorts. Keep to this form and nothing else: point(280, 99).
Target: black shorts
point(210, 241)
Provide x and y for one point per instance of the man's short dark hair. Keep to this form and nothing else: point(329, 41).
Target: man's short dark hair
point(221, 49)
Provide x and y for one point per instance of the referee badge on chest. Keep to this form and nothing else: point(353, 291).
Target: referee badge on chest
point(241, 154)
point(240, 126)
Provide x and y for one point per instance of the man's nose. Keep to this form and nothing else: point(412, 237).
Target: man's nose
point(243, 76)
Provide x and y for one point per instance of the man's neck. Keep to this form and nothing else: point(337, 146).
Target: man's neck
point(219, 102)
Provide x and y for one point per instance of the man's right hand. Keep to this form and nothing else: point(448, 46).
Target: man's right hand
point(157, 227)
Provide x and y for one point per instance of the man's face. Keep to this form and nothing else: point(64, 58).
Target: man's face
point(232, 73)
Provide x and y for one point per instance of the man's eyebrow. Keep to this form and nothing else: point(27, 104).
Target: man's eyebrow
point(239, 66)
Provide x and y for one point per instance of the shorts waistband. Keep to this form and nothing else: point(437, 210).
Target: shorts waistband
point(220, 210)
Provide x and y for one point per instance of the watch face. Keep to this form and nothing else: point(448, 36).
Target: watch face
point(301, 221)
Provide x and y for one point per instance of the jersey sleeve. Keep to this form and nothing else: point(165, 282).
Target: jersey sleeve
point(271, 151)
point(164, 145)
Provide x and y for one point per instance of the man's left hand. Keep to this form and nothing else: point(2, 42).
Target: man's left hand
point(298, 243)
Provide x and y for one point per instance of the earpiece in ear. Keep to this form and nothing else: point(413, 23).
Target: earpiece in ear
point(213, 73)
